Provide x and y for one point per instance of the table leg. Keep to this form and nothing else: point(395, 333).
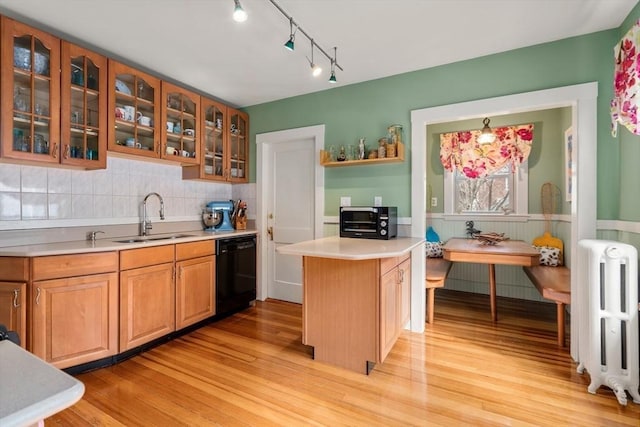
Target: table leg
point(492, 291)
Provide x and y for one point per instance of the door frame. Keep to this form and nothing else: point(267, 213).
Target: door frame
point(583, 100)
point(264, 180)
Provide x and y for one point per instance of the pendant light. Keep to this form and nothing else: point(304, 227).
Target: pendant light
point(332, 79)
point(290, 43)
point(486, 135)
point(239, 15)
point(315, 68)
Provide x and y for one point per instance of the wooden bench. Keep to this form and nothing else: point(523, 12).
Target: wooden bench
point(553, 283)
point(437, 270)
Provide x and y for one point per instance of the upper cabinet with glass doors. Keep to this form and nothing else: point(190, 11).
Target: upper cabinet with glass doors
point(181, 128)
point(213, 119)
point(238, 134)
point(30, 87)
point(83, 107)
point(134, 111)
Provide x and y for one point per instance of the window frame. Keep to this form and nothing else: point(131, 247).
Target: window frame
point(520, 179)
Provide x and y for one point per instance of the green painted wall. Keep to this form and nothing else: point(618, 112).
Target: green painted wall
point(366, 109)
point(546, 161)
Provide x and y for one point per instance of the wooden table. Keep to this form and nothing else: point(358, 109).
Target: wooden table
point(508, 252)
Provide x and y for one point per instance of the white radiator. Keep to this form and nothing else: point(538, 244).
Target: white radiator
point(608, 311)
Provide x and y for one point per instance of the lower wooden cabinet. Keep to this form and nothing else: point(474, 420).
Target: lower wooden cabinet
point(13, 308)
point(405, 284)
point(147, 304)
point(195, 290)
point(390, 295)
point(75, 319)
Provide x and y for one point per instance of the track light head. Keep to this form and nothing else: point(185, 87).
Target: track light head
point(239, 15)
point(332, 79)
point(289, 45)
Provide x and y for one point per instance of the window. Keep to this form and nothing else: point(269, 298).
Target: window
point(500, 193)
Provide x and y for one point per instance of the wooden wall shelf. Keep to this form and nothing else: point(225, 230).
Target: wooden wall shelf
point(324, 159)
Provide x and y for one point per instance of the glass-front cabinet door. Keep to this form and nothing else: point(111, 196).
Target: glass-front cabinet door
point(213, 116)
point(238, 150)
point(30, 87)
point(134, 111)
point(181, 128)
point(84, 107)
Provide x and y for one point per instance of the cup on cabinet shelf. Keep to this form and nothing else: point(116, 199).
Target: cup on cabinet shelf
point(171, 151)
point(169, 126)
point(129, 113)
point(143, 120)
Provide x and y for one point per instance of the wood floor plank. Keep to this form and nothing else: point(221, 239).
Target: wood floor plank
point(251, 369)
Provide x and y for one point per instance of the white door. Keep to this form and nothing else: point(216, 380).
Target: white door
point(289, 205)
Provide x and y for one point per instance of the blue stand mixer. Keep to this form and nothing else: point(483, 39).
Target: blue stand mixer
point(217, 216)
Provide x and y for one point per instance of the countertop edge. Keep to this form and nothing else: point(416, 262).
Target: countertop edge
point(110, 244)
point(367, 249)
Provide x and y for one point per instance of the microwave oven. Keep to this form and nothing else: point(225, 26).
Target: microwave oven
point(377, 222)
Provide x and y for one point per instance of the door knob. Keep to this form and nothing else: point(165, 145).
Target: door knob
point(270, 233)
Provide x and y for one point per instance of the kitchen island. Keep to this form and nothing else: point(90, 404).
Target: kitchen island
point(356, 297)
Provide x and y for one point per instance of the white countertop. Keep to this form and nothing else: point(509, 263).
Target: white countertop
point(31, 389)
point(113, 244)
point(350, 248)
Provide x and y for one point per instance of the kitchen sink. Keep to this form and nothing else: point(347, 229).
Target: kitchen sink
point(153, 239)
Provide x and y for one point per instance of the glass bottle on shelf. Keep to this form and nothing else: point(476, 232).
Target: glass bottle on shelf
point(30, 125)
point(134, 111)
point(84, 103)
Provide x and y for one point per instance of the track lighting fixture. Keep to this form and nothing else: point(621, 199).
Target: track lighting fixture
point(289, 44)
point(315, 69)
point(486, 135)
point(239, 15)
point(332, 79)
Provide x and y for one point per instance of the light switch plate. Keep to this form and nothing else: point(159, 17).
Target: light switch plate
point(377, 201)
point(434, 201)
point(345, 201)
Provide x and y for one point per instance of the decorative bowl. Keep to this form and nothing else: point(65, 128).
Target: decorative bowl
point(122, 87)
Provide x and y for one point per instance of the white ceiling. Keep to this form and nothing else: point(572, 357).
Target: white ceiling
point(196, 42)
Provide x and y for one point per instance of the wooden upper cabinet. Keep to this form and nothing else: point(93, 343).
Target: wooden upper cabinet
point(213, 143)
point(180, 112)
point(238, 151)
point(30, 88)
point(83, 107)
point(134, 111)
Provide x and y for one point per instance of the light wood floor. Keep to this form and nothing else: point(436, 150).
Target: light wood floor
point(252, 370)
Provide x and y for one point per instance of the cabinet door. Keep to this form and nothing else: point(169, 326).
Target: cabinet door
point(13, 308)
point(30, 87)
point(134, 111)
point(213, 143)
point(238, 151)
point(389, 311)
point(180, 132)
point(147, 304)
point(84, 107)
point(405, 284)
point(75, 320)
point(195, 290)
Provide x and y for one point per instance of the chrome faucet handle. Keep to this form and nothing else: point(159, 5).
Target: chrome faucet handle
point(92, 235)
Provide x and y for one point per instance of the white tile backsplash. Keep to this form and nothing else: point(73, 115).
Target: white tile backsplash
point(10, 178)
point(34, 179)
point(113, 195)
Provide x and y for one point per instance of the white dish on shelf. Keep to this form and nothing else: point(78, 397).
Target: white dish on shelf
point(122, 87)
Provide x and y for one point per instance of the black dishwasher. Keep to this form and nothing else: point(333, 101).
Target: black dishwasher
point(235, 273)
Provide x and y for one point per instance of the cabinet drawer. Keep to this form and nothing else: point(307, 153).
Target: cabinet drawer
point(194, 249)
point(59, 266)
point(134, 258)
point(14, 269)
point(387, 264)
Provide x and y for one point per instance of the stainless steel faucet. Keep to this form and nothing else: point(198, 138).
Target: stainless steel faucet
point(146, 222)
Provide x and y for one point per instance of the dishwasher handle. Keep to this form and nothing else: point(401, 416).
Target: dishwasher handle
point(233, 245)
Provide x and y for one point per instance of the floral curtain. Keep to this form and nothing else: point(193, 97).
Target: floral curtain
point(624, 104)
point(462, 151)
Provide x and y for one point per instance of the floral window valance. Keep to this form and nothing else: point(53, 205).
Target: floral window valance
point(626, 85)
point(461, 150)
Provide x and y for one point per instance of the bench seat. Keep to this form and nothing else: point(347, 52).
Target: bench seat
point(553, 283)
point(436, 272)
